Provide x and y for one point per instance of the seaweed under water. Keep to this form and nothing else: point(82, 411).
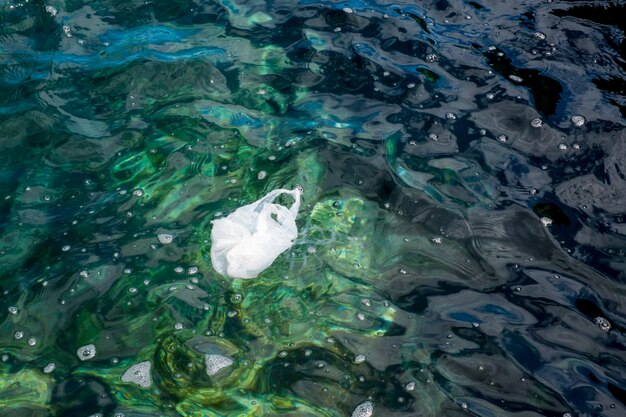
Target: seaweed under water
point(462, 236)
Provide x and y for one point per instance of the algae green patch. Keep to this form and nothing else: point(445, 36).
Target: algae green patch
point(25, 391)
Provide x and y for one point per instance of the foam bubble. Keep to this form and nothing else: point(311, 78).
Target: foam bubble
point(86, 352)
point(546, 221)
point(165, 238)
point(215, 363)
point(603, 323)
point(139, 374)
point(365, 409)
point(578, 120)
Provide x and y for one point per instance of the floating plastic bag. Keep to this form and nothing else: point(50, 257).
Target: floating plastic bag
point(250, 239)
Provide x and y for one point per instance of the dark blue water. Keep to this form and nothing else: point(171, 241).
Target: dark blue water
point(462, 239)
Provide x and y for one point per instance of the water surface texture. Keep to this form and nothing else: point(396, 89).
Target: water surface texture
point(462, 238)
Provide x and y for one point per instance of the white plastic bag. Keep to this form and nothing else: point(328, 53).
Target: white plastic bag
point(250, 239)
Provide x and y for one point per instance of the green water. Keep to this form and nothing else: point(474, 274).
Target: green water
point(460, 247)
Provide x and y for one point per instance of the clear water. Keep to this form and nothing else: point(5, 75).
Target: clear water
point(462, 237)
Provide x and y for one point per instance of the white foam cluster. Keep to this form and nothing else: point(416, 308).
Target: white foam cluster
point(49, 368)
point(578, 120)
point(215, 363)
point(365, 409)
point(165, 238)
point(139, 374)
point(86, 352)
point(603, 323)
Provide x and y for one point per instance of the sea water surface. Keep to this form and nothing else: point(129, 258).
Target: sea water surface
point(461, 246)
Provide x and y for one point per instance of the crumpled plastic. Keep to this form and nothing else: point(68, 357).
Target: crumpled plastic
point(249, 240)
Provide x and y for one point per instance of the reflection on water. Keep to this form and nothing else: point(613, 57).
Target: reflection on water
point(462, 245)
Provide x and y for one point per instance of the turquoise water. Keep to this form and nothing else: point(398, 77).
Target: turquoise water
point(461, 236)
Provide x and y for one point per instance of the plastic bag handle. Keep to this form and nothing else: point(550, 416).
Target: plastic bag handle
point(270, 197)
